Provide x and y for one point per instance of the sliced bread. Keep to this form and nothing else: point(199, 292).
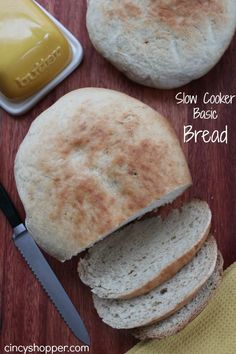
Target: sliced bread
point(181, 318)
point(143, 255)
point(163, 300)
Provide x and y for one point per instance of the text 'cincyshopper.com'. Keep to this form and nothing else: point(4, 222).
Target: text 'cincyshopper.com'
point(46, 349)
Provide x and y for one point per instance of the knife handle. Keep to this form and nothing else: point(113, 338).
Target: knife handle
point(8, 208)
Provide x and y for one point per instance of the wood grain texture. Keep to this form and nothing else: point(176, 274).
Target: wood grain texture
point(27, 316)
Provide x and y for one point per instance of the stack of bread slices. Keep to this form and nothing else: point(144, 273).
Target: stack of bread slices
point(155, 275)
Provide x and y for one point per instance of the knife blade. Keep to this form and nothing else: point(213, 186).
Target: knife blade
point(41, 269)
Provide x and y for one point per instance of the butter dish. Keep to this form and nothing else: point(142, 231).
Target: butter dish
point(37, 53)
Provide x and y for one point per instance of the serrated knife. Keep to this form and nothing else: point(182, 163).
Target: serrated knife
point(41, 269)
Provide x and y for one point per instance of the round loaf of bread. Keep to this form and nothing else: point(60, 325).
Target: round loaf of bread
point(162, 43)
point(91, 163)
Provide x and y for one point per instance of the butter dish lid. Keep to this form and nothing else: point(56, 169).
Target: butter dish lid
point(37, 53)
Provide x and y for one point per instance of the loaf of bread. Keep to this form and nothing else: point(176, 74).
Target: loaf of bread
point(160, 43)
point(164, 300)
point(144, 254)
point(92, 162)
point(181, 318)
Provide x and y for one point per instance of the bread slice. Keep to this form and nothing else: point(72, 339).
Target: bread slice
point(143, 255)
point(163, 300)
point(181, 318)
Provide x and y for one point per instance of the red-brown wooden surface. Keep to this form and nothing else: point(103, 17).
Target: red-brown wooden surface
point(27, 315)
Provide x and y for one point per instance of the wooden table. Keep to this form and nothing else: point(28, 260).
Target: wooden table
point(27, 315)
